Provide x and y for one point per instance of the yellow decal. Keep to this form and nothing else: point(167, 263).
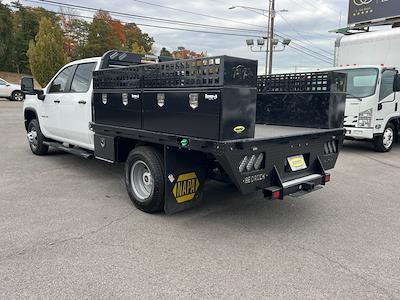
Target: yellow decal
point(186, 187)
point(297, 162)
point(239, 129)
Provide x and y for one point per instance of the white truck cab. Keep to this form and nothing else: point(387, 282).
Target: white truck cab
point(64, 110)
point(372, 106)
point(372, 63)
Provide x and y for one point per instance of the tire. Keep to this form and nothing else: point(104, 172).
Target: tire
point(385, 141)
point(17, 96)
point(36, 139)
point(144, 179)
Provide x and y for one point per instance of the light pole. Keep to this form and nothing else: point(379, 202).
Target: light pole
point(271, 23)
point(270, 30)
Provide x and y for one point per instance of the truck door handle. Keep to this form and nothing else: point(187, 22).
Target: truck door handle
point(57, 101)
point(82, 102)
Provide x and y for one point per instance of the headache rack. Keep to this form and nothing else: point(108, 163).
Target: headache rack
point(302, 82)
point(315, 100)
point(200, 72)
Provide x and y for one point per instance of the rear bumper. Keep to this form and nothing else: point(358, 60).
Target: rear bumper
point(359, 133)
point(301, 186)
point(276, 175)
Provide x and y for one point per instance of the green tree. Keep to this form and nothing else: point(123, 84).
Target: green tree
point(25, 27)
point(6, 41)
point(164, 52)
point(46, 53)
point(102, 36)
point(135, 35)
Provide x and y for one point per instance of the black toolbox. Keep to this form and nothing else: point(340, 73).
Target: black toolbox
point(213, 98)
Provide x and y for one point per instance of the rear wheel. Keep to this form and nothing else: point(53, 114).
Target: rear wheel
point(144, 179)
point(384, 142)
point(36, 139)
point(17, 96)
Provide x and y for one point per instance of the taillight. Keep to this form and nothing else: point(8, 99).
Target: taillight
point(327, 178)
point(252, 162)
point(331, 147)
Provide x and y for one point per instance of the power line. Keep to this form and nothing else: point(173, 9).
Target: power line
point(309, 54)
point(303, 50)
point(301, 35)
point(55, 3)
point(195, 13)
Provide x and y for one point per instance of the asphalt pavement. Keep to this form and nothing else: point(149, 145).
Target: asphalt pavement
point(69, 230)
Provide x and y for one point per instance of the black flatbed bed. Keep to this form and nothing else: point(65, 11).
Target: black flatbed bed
point(263, 134)
point(267, 132)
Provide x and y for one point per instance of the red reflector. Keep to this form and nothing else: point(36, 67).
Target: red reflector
point(327, 178)
point(277, 195)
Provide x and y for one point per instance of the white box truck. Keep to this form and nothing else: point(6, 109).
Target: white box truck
point(372, 62)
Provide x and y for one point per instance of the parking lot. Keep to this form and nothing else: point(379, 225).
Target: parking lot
point(69, 230)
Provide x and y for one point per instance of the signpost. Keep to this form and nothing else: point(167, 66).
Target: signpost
point(373, 11)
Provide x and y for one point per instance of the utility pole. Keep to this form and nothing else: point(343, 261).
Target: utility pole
point(270, 44)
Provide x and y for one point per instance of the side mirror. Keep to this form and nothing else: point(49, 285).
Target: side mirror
point(396, 87)
point(27, 86)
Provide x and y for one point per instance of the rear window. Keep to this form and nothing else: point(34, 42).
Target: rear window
point(82, 78)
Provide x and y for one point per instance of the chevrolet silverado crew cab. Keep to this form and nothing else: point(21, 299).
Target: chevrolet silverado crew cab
point(176, 124)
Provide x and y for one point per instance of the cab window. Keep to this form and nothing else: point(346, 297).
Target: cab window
point(82, 78)
point(2, 82)
point(60, 83)
point(387, 84)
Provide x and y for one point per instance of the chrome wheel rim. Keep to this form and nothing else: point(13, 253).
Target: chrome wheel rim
point(18, 96)
point(388, 137)
point(33, 138)
point(142, 181)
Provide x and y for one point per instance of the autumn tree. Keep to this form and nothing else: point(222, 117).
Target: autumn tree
point(46, 53)
point(119, 30)
point(75, 34)
point(183, 53)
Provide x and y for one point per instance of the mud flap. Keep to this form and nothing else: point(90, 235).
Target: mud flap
point(185, 175)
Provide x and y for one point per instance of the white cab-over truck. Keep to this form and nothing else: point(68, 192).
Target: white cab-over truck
point(372, 62)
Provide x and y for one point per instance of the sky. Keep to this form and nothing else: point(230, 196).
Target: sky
point(307, 22)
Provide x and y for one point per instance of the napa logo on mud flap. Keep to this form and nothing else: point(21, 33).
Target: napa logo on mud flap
point(186, 187)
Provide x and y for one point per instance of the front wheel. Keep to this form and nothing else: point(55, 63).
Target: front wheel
point(144, 179)
point(36, 139)
point(384, 142)
point(17, 96)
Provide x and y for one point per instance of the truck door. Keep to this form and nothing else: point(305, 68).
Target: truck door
point(388, 105)
point(76, 110)
point(50, 108)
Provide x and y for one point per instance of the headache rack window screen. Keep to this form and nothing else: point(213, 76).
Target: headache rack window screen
point(202, 72)
point(188, 73)
point(302, 82)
